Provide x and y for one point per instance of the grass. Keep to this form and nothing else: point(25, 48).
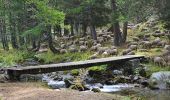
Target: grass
point(13, 57)
point(50, 57)
point(152, 68)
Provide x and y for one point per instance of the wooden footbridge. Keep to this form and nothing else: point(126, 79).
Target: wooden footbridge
point(15, 72)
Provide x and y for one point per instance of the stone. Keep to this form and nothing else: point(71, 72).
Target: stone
point(68, 83)
point(93, 48)
point(125, 52)
point(62, 51)
point(63, 46)
point(102, 49)
point(117, 72)
point(94, 56)
point(131, 53)
point(146, 44)
point(56, 84)
point(167, 47)
point(156, 41)
point(73, 50)
point(159, 60)
point(145, 83)
point(136, 39)
point(81, 42)
point(96, 90)
point(160, 80)
point(133, 47)
point(83, 48)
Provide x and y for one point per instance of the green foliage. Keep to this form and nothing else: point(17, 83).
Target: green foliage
point(152, 68)
point(75, 72)
point(47, 14)
point(13, 57)
point(98, 68)
point(50, 57)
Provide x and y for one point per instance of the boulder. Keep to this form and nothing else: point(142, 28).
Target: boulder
point(159, 60)
point(160, 80)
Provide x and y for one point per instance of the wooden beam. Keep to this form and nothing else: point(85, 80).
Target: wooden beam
point(17, 71)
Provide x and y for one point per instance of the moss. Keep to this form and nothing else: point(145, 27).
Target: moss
point(75, 72)
point(98, 68)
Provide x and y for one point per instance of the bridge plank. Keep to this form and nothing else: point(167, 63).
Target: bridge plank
point(15, 72)
point(79, 63)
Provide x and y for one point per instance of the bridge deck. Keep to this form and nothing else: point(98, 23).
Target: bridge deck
point(16, 71)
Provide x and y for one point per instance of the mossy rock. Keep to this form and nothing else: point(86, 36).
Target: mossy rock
point(75, 72)
point(96, 90)
point(78, 86)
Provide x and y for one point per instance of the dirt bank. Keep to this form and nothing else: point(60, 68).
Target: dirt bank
point(35, 91)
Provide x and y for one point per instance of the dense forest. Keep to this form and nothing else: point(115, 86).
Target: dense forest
point(45, 32)
point(26, 24)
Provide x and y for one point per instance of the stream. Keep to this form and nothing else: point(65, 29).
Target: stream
point(120, 88)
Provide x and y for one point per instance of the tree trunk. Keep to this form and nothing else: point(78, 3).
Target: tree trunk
point(117, 34)
point(72, 29)
point(110, 29)
point(92, 26)
point(13, 32)
point(84, 29)
point(3, 35)
point(124, 35)
point(50, 40)
point(93, 32)
point(76, 27)
point(116, 27)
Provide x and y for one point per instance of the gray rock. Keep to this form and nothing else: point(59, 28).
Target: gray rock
point(133, 47)
point(160, 80)
point(117, 72)
point(94, 56)
point(93, 48)
point(63, 46)
point(167, 47)
point(73, 50)
point(96, 90)
point(62, 51)
point(159, 60)
point(83, 48)
point(125, 52)
point(131, 53)
point(56, 84)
